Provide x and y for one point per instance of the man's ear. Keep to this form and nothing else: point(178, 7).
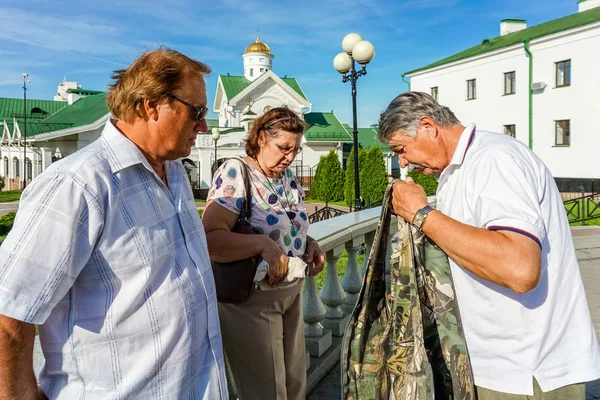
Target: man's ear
point(430, 126)
point(151, 109)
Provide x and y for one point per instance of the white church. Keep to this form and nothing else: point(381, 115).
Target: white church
point(75, 118)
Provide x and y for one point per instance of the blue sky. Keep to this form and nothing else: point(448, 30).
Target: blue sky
point(87, 39)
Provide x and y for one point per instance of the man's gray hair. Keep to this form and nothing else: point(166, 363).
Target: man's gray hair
point(404, 112)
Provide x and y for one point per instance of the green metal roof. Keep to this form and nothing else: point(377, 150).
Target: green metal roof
point(534, 32)
point(84, 91)
point(55, 115)
point(233, 85)
point(13, 108)
point(367, 138)
point(325, 127)
point(83, 112)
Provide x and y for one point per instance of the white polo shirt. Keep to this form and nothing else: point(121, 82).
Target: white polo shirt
point(496, 182)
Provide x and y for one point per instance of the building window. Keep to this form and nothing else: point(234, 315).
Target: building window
point(251, 71)
point(16, 166)
point(262, 60)
point(434, 92)
point(562, 132)
point(262, 70)
point(471, 89)
point(510, 130)
point(509, 83)
point(563, 73)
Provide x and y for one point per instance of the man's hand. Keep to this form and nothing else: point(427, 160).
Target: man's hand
point(314, 255)
point(408, 198)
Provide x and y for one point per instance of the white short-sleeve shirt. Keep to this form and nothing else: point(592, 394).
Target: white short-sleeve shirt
point(114, 267)
point(497, 183)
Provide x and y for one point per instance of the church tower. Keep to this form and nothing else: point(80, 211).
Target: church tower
point(257, 59)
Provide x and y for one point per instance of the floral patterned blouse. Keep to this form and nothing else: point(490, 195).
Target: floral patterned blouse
point(277, 204)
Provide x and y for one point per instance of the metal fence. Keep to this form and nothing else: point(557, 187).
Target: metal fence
point(583, 208)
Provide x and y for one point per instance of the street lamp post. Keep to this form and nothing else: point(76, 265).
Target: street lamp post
point(24, 128)
point(216, 134)
point(361, 51)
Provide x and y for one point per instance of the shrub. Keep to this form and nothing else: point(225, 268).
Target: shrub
point(6, 223)
point(349, 184)
point(328, 184)
point(373, 176)
point(429, 183)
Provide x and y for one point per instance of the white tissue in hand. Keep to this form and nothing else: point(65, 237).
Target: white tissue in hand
point(296, 269)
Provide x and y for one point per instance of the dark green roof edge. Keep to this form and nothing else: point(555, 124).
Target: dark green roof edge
point(547, 28)
point(513, 20)
point(84, 91)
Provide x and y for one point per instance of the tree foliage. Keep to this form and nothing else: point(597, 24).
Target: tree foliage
point(349, 184)
point(373, 176)
point(328, 182)
point(429, 183)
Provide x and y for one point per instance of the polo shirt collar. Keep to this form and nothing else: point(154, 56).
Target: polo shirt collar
point(465, 141)
point(123, 153)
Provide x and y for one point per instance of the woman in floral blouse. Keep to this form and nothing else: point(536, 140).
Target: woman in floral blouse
point(264, 337)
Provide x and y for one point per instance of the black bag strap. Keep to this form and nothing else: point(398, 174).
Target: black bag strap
point(246, 211)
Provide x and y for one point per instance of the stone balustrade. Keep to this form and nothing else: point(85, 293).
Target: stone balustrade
point(326, 312)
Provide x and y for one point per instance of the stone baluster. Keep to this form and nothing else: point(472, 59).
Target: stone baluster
point(332, 294)
point(318, 340)
point(352, 279)
point(369, 237)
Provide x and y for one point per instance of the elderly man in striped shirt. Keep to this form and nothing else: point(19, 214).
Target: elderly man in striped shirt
point(108, 256)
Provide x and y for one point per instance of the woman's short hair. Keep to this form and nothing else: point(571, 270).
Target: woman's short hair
point(153, 76)
point(279, 118)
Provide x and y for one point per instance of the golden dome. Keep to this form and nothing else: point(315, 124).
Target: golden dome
point(258, 47)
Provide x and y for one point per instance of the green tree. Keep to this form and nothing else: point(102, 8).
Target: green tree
point(429, 183)
point(373, 176)
point(328, 183)
point(349, 184)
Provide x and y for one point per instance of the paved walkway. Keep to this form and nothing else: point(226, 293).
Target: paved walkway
point(587, 243)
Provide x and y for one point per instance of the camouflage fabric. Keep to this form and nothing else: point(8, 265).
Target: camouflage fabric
point(407, 344)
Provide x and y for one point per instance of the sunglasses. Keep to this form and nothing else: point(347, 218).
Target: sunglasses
point(283, 150)
point(197, 113)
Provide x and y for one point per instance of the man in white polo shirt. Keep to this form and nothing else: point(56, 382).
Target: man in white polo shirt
point(501, 220)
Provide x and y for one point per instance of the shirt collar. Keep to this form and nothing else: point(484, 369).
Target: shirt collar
point(123, 153)
point(466, 138)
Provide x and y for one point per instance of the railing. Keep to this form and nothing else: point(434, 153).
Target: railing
point(583, 208)
point(325, 213)
point(326, 312)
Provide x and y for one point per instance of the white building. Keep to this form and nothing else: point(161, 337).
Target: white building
point(75, 118)
point(239, 100)
point(539, 84)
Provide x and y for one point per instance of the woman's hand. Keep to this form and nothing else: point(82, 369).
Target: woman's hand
point(314, 255)
point(278, 262)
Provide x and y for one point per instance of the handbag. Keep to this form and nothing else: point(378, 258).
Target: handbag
point(408, 342)
point(234, 280)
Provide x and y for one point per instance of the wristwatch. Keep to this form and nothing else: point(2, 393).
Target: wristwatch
point(421, 216)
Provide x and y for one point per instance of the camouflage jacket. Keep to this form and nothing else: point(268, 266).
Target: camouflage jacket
point(408, 343)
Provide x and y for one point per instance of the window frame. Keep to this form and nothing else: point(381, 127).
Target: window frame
point(567, 75)
point(513, 83)
point(474, 89)
point(566, 132)
point(432, 90)
point(510, 130)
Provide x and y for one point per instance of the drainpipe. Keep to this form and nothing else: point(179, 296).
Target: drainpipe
point(530, 92)
point(405, 81)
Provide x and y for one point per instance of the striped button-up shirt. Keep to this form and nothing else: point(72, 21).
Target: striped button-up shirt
point(113, 266)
